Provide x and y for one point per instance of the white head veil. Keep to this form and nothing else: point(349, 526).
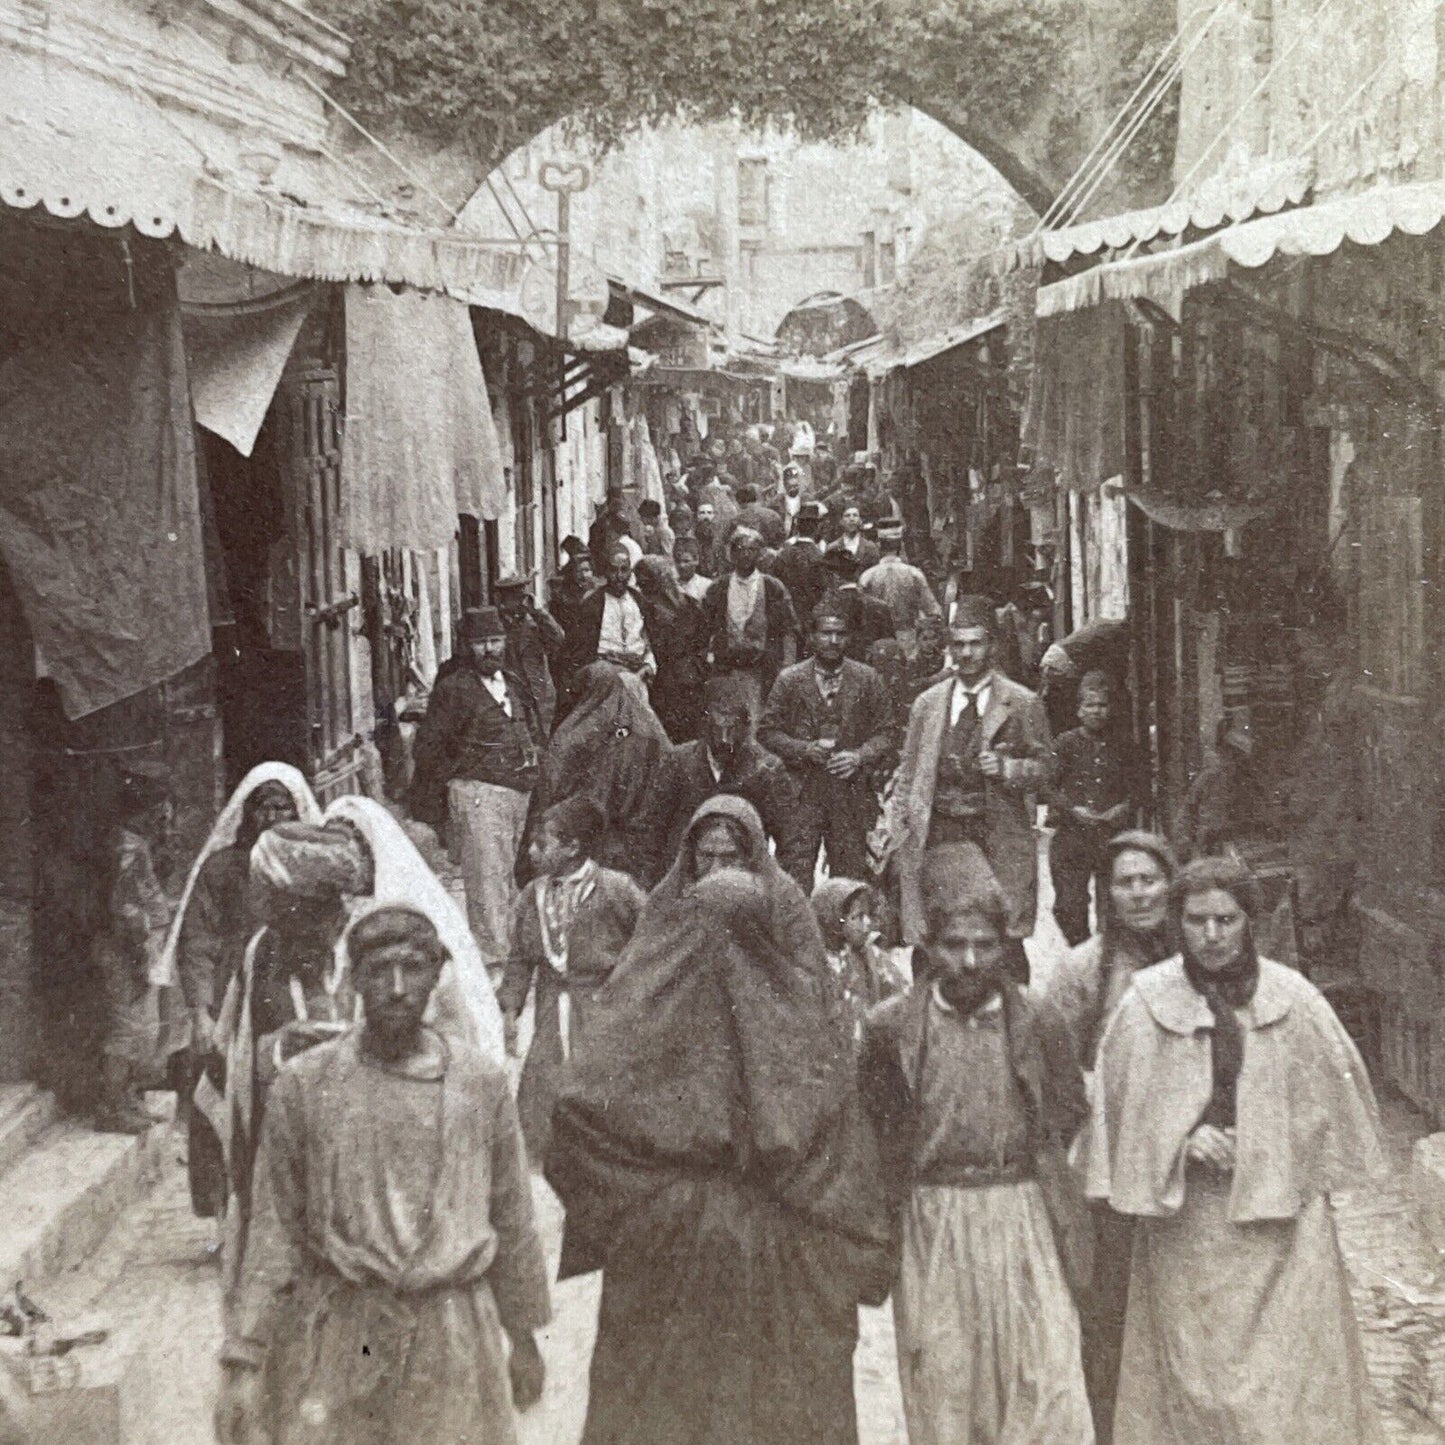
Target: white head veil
point(464, 1004)
point(223, 835)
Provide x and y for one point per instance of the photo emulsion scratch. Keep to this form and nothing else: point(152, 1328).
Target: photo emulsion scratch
point(720, 723)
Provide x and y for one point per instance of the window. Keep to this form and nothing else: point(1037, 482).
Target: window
point(752, 192)
point(887, 263)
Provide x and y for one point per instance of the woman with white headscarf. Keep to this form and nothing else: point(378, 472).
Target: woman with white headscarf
point(464, 1002)
point(207, 940)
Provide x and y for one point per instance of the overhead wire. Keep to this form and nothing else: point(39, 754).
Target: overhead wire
point(1107, 141)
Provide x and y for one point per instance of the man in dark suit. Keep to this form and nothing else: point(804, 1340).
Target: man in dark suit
point(750, 622)
point(725, 759)
point(830, 721)
point(852, 541)
point(869, 620)
point(477, 753)
point(612, 625)
point(764, 520)
point(798, 564)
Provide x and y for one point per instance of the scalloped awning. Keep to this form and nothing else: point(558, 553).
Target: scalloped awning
point(1318, 230)
point(77, 140)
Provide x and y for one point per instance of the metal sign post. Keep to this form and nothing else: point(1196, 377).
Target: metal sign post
point(566, 178)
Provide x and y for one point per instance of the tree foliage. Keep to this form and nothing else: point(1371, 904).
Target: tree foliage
point(494, 73)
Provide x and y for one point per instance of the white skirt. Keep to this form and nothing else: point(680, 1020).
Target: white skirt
point(988, 1335)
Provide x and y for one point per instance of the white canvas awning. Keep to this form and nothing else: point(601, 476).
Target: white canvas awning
point(76, 141)
point(1318, 230)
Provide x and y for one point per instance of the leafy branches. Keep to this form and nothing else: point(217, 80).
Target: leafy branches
point(496, 72)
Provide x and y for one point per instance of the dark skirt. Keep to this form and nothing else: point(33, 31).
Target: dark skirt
point(725, 1320)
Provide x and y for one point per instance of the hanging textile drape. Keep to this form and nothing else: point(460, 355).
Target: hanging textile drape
point(421, 445)
point(1075, 417)
point(100, 522)
point(235, 356)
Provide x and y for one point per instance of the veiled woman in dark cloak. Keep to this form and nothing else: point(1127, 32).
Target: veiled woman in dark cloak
point(608, 749)
point(715, 1164)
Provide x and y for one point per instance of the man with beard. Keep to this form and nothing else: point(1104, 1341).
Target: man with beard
point(830, 721)
point(725, 759)
point(975, 1095)
point(612, 625)
point(750, 620)
point(978, 745)
point(392, 1241)
point(478, 749)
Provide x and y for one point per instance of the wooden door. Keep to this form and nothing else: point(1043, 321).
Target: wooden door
point(329, 579)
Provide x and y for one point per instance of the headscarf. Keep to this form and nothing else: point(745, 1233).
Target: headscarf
point(464, 1003)
point(225, 833)
point(832, 899)
point(1226, 989)
point(1155, 948)
point(713, 1052)
point(607, 711)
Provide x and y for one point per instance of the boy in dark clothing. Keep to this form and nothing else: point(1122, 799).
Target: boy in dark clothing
point(1095, 793)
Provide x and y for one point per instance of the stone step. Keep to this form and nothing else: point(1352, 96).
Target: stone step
point(64, 1195)
point(26, 1112)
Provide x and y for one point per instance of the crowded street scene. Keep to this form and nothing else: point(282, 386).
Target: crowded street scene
point(722, 727)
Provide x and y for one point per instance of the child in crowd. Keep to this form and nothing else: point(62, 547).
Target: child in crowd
point(1095, 793)
point(865, 974)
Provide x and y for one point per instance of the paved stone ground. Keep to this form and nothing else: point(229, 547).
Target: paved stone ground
point(157, 1279)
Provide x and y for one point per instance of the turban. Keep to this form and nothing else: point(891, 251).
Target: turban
point(312, 860)
point(480, 623)
point(1057, 661)
point(972, 611)
point(393, 926)
point(957, 879)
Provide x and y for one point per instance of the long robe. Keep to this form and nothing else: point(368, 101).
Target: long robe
point(391, 1244)
point(712, 1156)
point(1240, 1330)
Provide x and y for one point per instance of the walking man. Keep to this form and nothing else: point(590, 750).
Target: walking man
point(799, 562)
point(829, 719)
point(612, 624)
point(975, 1094)
point(392, 1241)
point(900, 586)
point(534, 644)
point(750, 620)
point(480, 741)
point(977, 746)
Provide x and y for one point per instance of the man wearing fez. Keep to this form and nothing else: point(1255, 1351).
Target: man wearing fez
point(478, 747)
point(392, 1240)
point(869, 620)
point(975, 1095)
point(830, 721)
point(977, 746)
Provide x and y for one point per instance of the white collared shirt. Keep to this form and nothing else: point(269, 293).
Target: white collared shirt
point(622, 633)
point(497, 686)
point(981, 692)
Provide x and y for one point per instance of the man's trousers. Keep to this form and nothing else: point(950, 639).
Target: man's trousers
point(837, 814)
point(486, 824)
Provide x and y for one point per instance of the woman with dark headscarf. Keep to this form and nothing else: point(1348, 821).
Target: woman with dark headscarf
point(1084, 991)
point(607, 748)
point(715, 1164)
point(679, 643)
point(1229, 1104)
